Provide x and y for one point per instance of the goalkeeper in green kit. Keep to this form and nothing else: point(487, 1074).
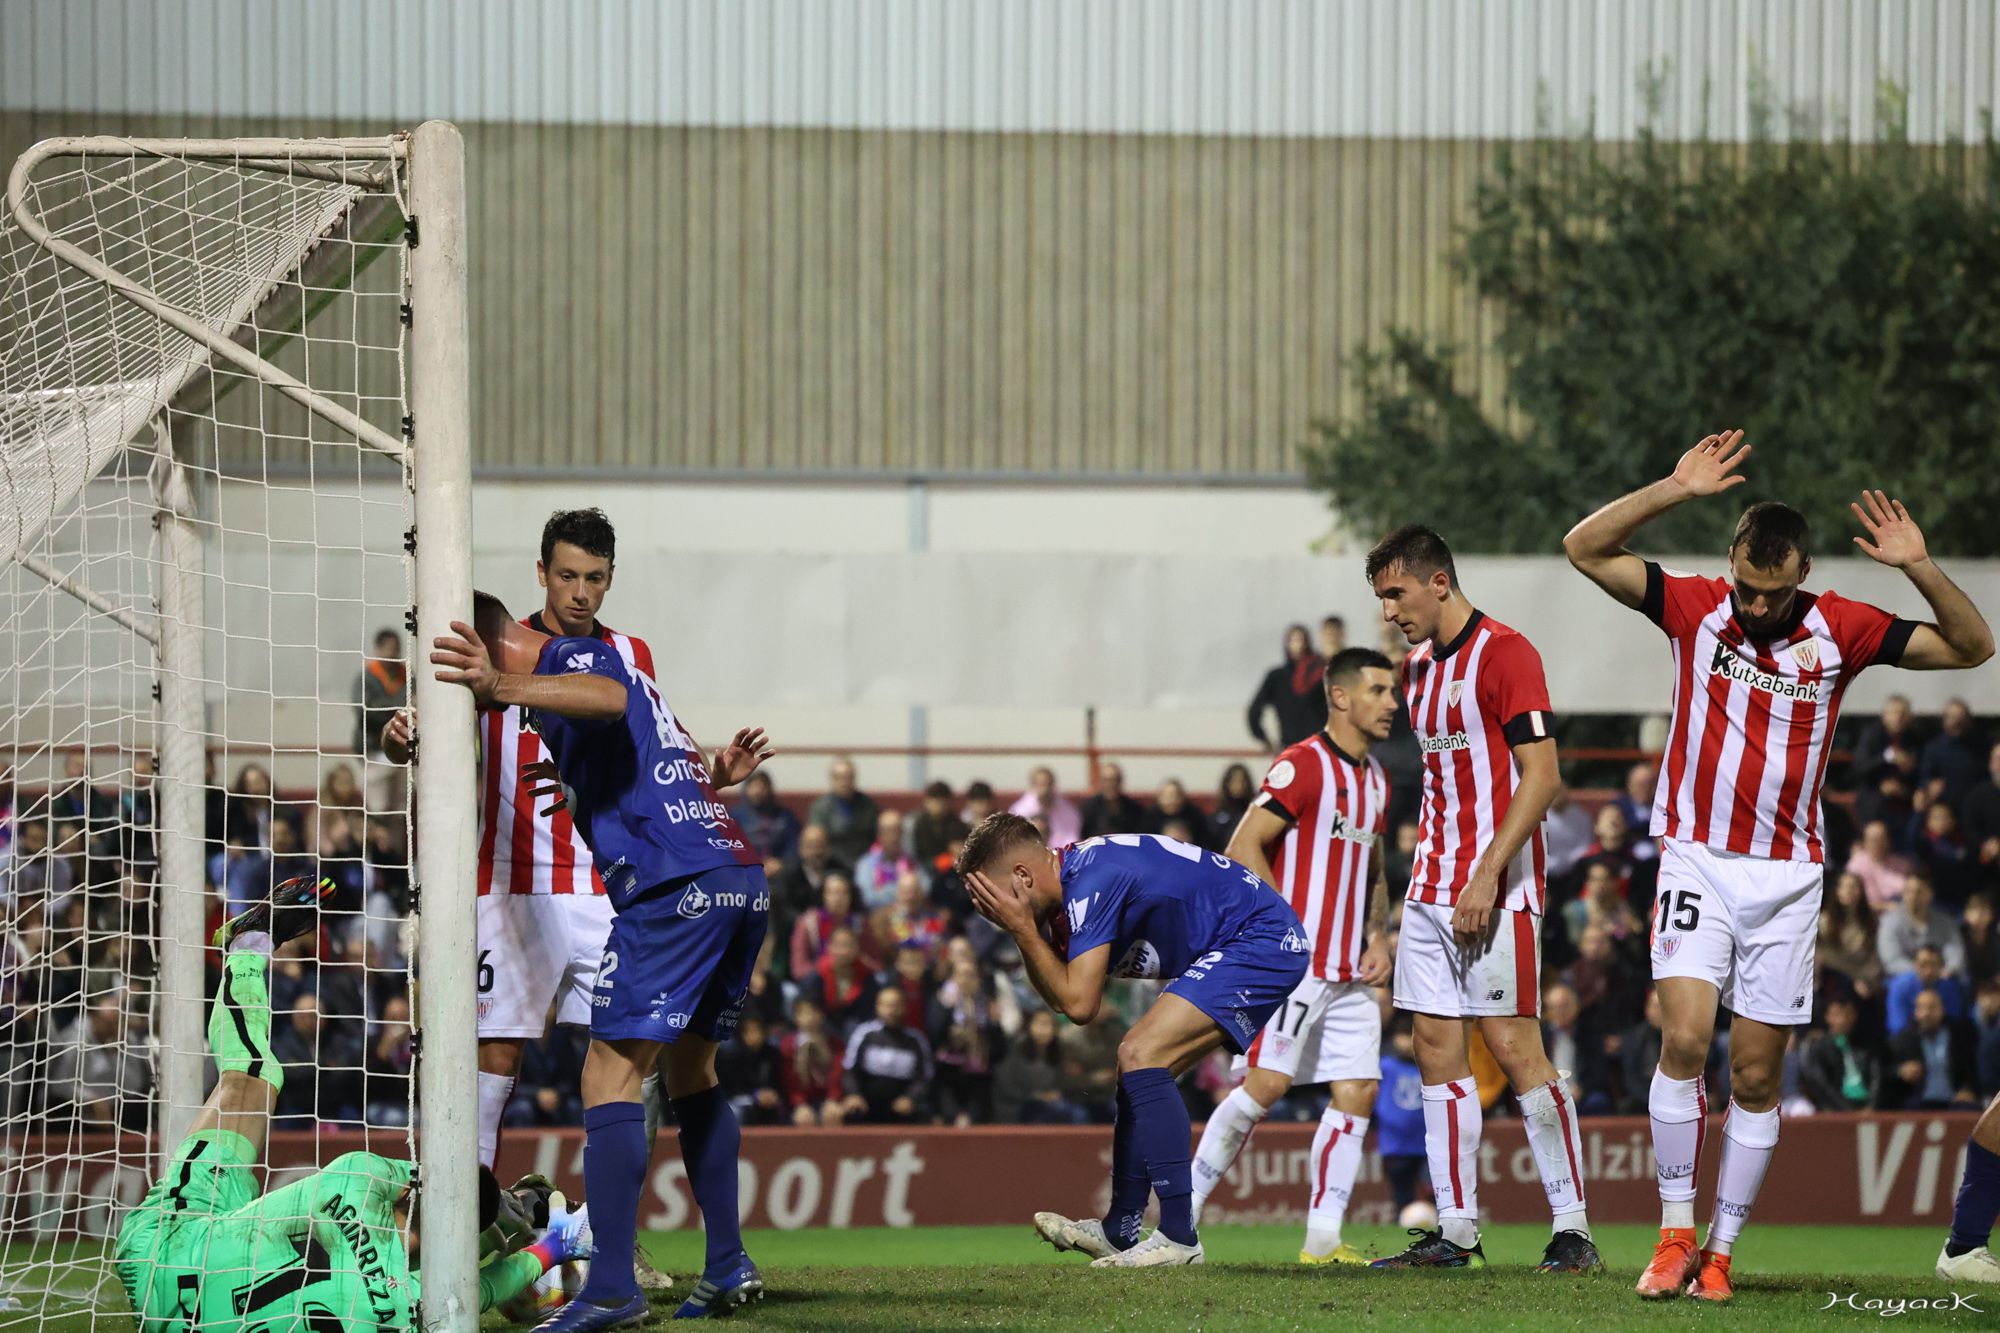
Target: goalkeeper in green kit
point(205, 1253)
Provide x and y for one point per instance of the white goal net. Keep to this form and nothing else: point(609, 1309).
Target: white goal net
point(214, 570)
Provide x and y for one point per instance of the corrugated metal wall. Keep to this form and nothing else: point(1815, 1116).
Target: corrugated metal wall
point(946, 236)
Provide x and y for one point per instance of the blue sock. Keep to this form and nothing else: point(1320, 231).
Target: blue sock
point(1129, 1182)
point(1160, 1133)
point(711, 1141)
point(614, 1169)
point(1978, 1201)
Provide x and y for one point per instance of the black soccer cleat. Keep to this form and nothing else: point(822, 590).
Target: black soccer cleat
point(1432, 1250)
point(291, 911)
point(1570, 1252)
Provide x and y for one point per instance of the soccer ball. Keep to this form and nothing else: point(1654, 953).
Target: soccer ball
point(552, 1290)
point(1420, 1215)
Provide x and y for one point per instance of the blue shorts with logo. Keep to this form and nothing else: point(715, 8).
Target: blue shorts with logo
point(679, 959)
point(1242, 984)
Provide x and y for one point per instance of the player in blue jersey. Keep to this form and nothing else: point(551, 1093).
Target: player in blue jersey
point(692, 907)
point(1140, 906)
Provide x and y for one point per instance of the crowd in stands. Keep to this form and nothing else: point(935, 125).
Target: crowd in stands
point(881, 996)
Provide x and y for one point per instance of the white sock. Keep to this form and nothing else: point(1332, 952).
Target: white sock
point(494, 1090)
point(1550, 1116)
point(1748, 1140)
point(1679, 1107)
point(1452, 1127)
point(1335, 1161)
point(1221, 1139)
point(252, 941)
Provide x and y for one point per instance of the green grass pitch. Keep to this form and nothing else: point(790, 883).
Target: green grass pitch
point(1002, 1277)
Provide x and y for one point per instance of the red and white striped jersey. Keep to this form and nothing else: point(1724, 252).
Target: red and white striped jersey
point(519, 850)
point(1338, 809)
point(1753, 720)
point(1471, 701)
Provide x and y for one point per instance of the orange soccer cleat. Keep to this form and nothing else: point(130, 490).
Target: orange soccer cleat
point(1674, 1262)
point(1711, 1281)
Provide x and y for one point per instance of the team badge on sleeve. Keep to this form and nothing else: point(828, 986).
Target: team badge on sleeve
point(1281, 775)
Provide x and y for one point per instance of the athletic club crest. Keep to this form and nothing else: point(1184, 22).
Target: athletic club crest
point(1806, 653)
point(1665, 947)
point(1453, 691)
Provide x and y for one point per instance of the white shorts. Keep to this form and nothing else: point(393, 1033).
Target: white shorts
point(1747, 924)
point(1325, 1030)
point(1501, 976)
point(536, 949)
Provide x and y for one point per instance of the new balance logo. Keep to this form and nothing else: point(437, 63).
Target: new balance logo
point(1496, 995)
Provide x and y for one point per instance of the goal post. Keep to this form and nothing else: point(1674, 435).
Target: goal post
point(234, 444)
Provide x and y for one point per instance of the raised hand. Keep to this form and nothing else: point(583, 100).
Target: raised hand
point(1893, 539)
point(1001, 902)
point(740, 758)
point(466, 662)
point(1710, 467)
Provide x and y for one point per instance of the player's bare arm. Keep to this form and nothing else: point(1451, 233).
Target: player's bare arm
point(465, 661)
point(1960, 637)
point(1258, 829)
point(1540, 778)
point(399, 737)
point(1596, 546)
point(1073, 988)
point(1375, 962)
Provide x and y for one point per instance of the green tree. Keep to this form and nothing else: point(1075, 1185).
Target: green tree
point(1841, 304)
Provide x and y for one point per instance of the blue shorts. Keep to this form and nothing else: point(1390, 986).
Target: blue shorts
point(679, 959)
point(1242, 984)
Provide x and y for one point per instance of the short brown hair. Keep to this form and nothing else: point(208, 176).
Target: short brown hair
point(1769, 532)
point(992, 836)
point(1418, 549)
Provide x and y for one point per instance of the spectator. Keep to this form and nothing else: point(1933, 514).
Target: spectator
point(810, 1067)
point(1111, 810)
point(1980, 816)
point(1399, 1114)
point(323, 1067)
point(1955, 756)
point(1982, 940)
point(966, 1034)
point(1987, 1058)
point(909, 971)
point(1927, 975)
point(1042, 801)
point(1887, 795)
point(1028, 1085)
point(1613, 848)
point(979, 802)
point(847, 813)
point(1915, 923)
point(908, 920)
point(96, 1069)
point(771, 828)
point(1171, 805)
point(1575, 1049)
point(78, 800)
point(801, 884)
point(936, 827)
point(1292, 691)
point(1602, 904)
point(382, 687)
point(1882, 737)
point(1090, 1062)
point(339, 790)
point(814, 930)
point(390, 1059)
point(1635, 802)
point(1839, 1068)
point(1934, 1058)
point(248, 812)
point(34, 871)
point(884, 864)
point(948, 893)
point(552, 1076)
point(1608, 978)
point(751, 1074)
point(887, 1070)
point(1881, 868)
point(1638, 1052)
point(1332, 637)
point(1847, 937)
point(1232, 797)
point(1399, 859)
point(1936, 846)
point(1566, 834)
point(841, 983)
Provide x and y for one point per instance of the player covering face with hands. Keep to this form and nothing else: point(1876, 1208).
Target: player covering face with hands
point(1134, 905)
point(692, 907)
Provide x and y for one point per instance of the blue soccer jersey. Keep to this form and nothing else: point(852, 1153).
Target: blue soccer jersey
point(1161, 904)
point(639, 791)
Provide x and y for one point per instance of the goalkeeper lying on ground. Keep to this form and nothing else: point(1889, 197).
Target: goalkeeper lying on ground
point(332, 1252)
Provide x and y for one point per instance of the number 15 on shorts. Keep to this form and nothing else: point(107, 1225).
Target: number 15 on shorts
point(1679, 911)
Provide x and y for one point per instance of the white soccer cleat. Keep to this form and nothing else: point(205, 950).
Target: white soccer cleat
point(1973, 1266)
point(1156, 1251)
point(1086, 1235)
